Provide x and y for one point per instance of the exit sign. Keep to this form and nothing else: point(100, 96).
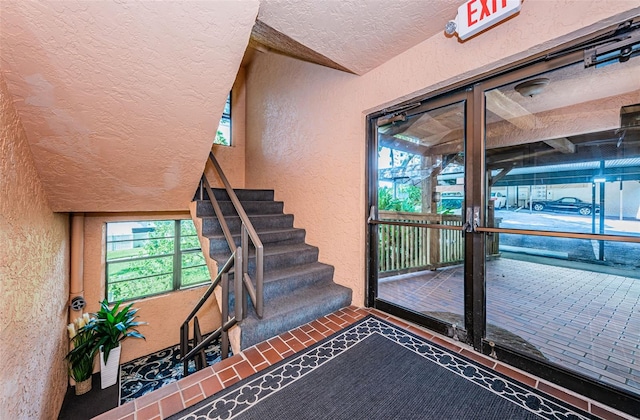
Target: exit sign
point(477, 15)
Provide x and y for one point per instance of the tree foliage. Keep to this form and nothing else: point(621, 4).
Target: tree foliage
point(411, 201)
point(148, 276)
point(221, 139)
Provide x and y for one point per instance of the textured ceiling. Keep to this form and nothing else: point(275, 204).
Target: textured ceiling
point(120, 100)
point(358, 35)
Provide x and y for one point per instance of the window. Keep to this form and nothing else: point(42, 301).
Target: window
point(223, 135)
point(145, 258)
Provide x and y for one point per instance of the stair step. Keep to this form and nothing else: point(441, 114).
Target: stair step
point(242, 194)
point(289, 311)
point(277, 256)
point(297, 288)
point(211, 225)
point(218, 243)
point(286, 280)
point(205, 208)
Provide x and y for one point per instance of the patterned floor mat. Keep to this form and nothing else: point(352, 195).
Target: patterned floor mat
point(148, 373)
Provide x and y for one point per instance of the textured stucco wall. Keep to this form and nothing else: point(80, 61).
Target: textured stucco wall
point(34, 280)
point(164, 313)
point(163, 331)
point(306, 124)
point(120, 101)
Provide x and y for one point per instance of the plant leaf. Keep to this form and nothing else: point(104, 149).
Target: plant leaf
point(135, 334)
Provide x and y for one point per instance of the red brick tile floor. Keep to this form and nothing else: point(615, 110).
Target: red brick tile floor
point(186, 392)
point(585, 321)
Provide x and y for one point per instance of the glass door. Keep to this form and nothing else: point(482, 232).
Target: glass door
point(419, 192)
point(506, 214)
point(563, 175)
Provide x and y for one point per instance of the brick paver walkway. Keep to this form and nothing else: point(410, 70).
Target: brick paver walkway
point(585, 321)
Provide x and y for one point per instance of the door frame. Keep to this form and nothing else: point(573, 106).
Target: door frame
point(413, 108)
point(475, 299)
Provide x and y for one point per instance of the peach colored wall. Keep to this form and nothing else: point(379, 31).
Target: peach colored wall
point(306, 124)
point(164, 313)
point(122, 99)
point(34, 278)
point(163, 331)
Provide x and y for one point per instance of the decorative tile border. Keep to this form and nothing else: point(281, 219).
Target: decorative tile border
point(276, 349)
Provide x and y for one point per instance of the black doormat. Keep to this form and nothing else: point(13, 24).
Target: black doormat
point(374, 370)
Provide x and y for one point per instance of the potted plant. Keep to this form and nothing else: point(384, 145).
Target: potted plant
point(80, 358)
point(111, 326)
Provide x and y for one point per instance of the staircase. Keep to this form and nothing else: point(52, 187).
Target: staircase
point(297, 288)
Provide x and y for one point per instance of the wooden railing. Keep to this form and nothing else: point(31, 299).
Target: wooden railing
point(403, 248)
point(409, 248)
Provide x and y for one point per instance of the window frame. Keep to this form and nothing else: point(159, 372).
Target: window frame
point(176, 258)
point(226, 115)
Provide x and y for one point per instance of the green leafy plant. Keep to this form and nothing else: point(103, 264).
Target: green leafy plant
point(81, 356)
point(412, 201)
point(112, 325)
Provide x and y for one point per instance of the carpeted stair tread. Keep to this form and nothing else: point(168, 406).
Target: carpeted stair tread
point(299, 271)
point(285, 280)
point(272, 236)
point(288, 311)
point(242, 194)
point(211, 225)
point(275, 249)
point(277, 255)
point(205, 208)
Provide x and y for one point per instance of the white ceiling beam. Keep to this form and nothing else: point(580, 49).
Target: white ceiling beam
point(562, 145)
point(509, 110)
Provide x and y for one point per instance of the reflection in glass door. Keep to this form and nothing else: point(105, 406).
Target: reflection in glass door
point(420, 196)
point(563, 168)
point(546, 176)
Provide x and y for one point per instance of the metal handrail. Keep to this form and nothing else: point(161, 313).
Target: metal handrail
point(247, 233)
point(223, 279)
point(243, 285)
point(225, 269)
point(218, 211)
point(573, 235)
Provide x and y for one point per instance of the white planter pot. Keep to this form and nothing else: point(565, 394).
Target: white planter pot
point(110, 372)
